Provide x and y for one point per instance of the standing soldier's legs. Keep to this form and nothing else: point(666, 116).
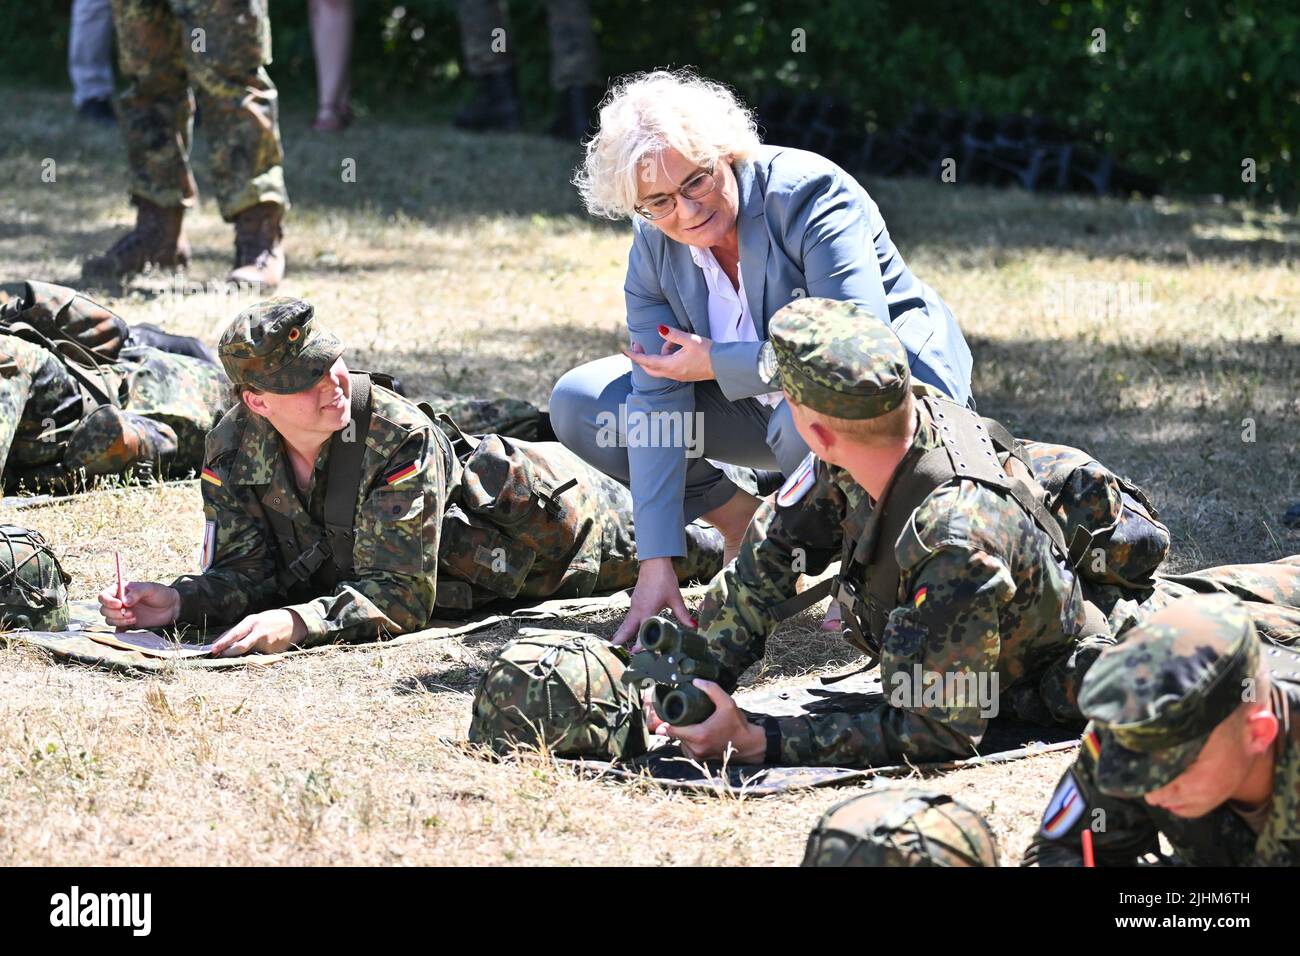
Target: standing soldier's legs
point(157, 107)
point(575, 67)
point(90, 52)
point(487, 44)
point(486, 40)
point(227, 49)
point(156, 112)
point(574, 60)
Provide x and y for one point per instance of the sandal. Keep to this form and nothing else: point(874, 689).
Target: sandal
point(330, 119)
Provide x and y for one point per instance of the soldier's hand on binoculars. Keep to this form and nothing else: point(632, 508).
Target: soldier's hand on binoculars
point(725, 727)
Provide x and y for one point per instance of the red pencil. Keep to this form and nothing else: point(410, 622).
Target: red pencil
point(1087, 848)
point(121, 589)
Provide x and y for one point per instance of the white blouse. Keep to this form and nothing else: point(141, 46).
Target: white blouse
point(729, 317)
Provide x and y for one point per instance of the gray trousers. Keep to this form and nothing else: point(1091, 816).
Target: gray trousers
point(743, 434)
point(90, 51)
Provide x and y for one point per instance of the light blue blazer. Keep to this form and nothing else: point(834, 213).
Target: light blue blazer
point(807, 228)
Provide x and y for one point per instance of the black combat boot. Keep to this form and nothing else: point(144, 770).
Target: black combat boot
point(157, 239)
point(495, 106)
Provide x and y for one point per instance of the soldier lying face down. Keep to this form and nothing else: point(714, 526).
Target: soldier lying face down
point(1193, 736)
point(338, 510)
point(958, 569)
point(83, 394)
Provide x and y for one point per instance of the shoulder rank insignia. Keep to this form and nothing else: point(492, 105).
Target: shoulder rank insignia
point(797, 485)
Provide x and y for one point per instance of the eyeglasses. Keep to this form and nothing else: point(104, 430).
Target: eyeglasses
point(697, 187)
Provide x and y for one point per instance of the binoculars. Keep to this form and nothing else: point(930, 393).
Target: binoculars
point(672, 657)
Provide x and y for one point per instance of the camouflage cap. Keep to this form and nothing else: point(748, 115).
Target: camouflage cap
point(562, 690)
point(901, 826)
point(1155, 698)
point(838, 359)
point(277, 346)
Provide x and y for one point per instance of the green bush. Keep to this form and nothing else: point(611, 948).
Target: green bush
point(1185, 92)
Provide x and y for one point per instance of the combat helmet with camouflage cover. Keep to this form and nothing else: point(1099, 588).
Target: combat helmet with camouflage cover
point(562, 690)
point(901, 826)
point(33, 585)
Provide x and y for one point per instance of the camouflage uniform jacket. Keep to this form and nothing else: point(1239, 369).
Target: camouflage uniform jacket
point(1129, 829)
point(248, 567)
point(981, 591)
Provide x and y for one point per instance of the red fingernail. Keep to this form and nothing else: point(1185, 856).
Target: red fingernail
point(663, 330)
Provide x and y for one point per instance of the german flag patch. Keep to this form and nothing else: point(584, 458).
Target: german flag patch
point(400, 474)
point(919, 597)
point(1092, 743)
point(212, 477)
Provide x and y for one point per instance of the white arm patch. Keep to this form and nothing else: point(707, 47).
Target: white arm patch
point(797, 485)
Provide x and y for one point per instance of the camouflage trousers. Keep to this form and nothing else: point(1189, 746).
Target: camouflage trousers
point(574, 59)
point(47, 435)
point(1270, 591)
point(174, 51)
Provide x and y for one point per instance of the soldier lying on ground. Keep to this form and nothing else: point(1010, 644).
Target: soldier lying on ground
point(83, 394)
point(1195, 735)
point(953, 571)
point(337, 510)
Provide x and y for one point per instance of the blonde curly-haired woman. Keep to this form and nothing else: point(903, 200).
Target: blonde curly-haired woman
point(725, 231)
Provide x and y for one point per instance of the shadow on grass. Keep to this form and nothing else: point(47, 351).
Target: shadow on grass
point(438, 176)
point(455, 680)
point(1212, 432)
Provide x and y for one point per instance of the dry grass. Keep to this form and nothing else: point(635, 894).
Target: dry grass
point(461, 263)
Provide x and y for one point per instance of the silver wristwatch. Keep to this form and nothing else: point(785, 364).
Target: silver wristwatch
point(767, 363)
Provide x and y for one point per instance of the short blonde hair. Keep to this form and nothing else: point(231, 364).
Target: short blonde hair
point(891, 428)
point(647, 113)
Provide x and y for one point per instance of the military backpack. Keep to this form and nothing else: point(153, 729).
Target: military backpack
point(1101, 526)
